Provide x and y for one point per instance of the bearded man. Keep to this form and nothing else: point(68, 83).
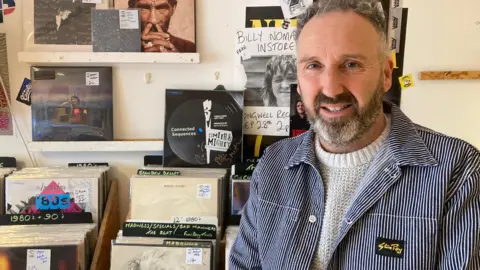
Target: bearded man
point(365, 187)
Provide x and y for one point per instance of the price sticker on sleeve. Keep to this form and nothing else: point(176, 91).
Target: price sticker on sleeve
point(204, 191)
point(38, 259)
point(194, 256)
point(92, 78)
point(92, 1)
point(128, 19)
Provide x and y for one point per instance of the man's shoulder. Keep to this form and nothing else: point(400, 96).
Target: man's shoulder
point(446, 147)
point(278, 154)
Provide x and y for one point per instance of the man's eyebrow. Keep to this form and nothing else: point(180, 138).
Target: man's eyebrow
point(354, 56)
point(307, 59)
point(147, 6)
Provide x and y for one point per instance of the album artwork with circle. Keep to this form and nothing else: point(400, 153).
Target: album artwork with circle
point(203, 128)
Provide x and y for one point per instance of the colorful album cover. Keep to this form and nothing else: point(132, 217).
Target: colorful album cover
point(203, 128)
point(72, 104)
point(63, 257)
point(62, 22)
point(167, 25)
point(299, 122)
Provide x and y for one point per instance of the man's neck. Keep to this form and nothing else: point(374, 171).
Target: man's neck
point(370, 136)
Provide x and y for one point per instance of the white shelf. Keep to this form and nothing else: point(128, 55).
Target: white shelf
point(107, 58)
point(108, 146)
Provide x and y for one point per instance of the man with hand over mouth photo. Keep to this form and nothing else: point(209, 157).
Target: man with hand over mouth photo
point(156, 17)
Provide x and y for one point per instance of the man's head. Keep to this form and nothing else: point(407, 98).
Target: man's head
point(343, 67)
point(155, 12)
point(280, 73)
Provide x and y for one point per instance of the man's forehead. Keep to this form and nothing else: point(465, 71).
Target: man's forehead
point(154, 2)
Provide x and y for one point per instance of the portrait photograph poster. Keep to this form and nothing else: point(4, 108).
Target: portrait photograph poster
point(181, 25)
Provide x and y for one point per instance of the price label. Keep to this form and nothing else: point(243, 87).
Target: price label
point(204, 191)
point(92, 78)
point(194, 256)
point(128, 19)
point(38, 259)
point(92, 1)
point(52, 201)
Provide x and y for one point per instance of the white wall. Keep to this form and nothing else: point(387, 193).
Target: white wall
point(440, 36)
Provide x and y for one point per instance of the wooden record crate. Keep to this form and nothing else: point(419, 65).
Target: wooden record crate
point(108, 230)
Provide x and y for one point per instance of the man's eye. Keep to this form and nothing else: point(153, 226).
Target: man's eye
point(310, 66)
point(351, 65)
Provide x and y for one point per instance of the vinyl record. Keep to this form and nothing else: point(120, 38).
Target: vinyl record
point(197, 135)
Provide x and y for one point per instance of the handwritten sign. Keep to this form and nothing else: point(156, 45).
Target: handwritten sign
point(88, 164)
point(170, 230)
point(46, 218)
point(52, 201)
point(128, 19)
point(38, 259)
point(194, 256)
point(92, 78)
point(158, 172)
point(265, 41)
point(273, 121)
point(195, 220)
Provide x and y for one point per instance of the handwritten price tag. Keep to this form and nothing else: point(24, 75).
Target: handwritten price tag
point(92, 78)
point(38, 259)
point(204, 191)
point(92, 1)
point(128, 19)
point(194, 256)
point(52, 201)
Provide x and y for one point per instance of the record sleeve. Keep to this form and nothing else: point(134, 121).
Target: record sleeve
point(203, 128)
point(72, 103)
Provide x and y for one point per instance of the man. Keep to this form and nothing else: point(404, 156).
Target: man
point(364, 188)
point(280, 73)
point(155, 18)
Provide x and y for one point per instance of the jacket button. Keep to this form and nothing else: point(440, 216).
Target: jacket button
point(312, 219)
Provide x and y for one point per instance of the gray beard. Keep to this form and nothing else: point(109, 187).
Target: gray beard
point(346, 131)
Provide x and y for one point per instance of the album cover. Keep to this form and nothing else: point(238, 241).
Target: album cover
point(138, 256)
point(116, 30)
point(203, 128)
point(239, 196)
point(66, 22)
point(299, 122)
point(39, 257)
point(167, 25)
point(72, 104)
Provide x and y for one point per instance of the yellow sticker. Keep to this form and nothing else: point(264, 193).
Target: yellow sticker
point(394, 59)
point(406, 81)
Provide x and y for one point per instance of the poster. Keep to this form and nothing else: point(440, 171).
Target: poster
point(6, 125)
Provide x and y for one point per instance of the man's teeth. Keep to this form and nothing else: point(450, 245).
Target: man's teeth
point(336, 109)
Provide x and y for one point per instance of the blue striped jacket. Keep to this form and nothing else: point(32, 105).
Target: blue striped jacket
point(418, 206)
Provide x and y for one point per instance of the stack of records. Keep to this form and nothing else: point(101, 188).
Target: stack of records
point(174, 210)
point(57, 189)
point(231, 233)
point(68, 247)
point(4, 172)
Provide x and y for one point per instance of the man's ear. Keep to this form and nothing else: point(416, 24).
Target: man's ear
point(387, 73)
point(173, 8)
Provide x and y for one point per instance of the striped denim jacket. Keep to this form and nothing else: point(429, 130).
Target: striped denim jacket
point(418, 206)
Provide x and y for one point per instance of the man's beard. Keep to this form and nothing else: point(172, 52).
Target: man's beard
point(345, 130)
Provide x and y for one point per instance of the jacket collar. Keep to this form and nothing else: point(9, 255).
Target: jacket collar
point(404, 142)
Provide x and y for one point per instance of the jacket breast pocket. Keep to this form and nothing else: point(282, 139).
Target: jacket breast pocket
point(380, 241)
point(277, 224)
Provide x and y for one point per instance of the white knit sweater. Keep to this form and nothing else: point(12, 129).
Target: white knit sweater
point(341, 175)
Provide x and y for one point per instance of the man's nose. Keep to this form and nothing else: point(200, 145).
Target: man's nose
point(331, 82)
point(153, 16)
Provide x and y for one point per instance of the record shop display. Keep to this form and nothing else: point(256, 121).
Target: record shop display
point(51, 216)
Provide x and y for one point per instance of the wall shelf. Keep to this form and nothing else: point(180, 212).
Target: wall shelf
point(105, 58)
point(107, 146)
